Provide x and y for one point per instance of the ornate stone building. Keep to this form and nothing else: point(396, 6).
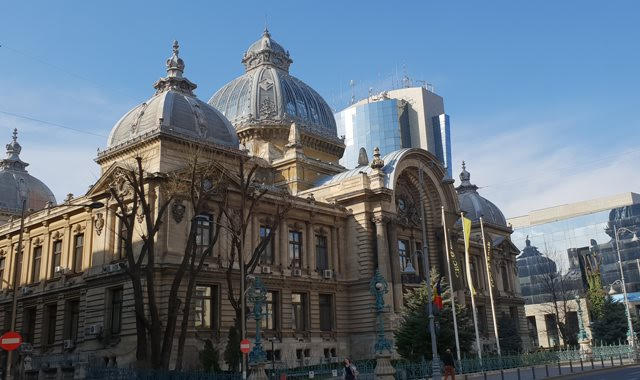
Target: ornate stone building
point(75, 301)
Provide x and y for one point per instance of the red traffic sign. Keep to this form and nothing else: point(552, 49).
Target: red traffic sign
point(10, 340)
point(245, 346)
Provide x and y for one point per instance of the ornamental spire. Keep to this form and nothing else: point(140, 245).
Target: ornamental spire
point(174, 79)
point(465, 180)
point(13, 160)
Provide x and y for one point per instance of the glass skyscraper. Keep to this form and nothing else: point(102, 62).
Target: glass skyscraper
point(370, 125)
point(404, 118)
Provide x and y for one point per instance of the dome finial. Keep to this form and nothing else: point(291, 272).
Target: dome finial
point(377, 163)
point(13, 160)
point(175, 64)
point(15, 135)
point(465, 176)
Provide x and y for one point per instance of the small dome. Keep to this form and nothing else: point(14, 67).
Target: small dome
point(268, 95)
point(14, 178)
point(474, 205)
point(174, 110)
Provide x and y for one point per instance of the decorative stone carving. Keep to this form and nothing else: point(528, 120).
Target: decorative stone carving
point(140, 215)
point(37, 241)
point(267, 108)
point(177, 211)
point(99, 223)
point(78, 228)
point(377, 163)
point(363, 158)
point(57, 235)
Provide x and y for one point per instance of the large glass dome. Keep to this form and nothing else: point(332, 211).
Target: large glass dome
point(268, 95)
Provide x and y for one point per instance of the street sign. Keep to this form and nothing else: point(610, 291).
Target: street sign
point(245, 346)
point(10, 340)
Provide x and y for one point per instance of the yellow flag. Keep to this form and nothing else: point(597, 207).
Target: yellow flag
point(466, 231)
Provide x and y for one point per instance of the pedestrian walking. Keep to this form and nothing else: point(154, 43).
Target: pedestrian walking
point(350, 371)
point(449, 365)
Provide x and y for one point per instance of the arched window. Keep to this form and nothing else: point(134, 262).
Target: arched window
point(505, 278)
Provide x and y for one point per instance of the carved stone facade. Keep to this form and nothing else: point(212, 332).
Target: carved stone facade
point(344, 225)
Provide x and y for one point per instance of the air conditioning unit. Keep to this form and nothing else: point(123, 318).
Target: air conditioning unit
point(67, 344)
point(95, 329)
point(296, 272)
point(265, 269)
point(60, 270)
point(327, 274)
point(26, 291)
point(26, 347)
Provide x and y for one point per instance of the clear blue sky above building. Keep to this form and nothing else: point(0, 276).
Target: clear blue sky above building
point(543, 96)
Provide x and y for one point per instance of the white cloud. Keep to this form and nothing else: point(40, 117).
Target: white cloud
point(542, 165)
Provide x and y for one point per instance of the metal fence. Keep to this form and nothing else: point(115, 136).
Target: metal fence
point(405, 370)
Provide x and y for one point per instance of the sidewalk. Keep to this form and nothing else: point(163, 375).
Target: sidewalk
point(548, 371)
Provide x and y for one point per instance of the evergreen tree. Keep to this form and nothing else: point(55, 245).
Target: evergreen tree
point(612, 327)
point(510, 340)
point(413, 340)
point(595, 296)
point(232, 354)
point(209, 357)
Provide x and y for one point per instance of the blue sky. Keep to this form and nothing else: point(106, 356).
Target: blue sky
point(543, 96)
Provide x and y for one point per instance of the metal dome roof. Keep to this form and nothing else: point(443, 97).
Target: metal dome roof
point(267, 94)
point(14, 178)
point(175, 110)
point(474, 205)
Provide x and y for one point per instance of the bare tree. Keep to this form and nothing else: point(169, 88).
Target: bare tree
point(561, 297)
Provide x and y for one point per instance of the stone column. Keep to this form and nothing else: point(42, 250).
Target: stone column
point(309, 254)
point(334, 250)
point(284, 246)
point(383, 257)
point(384, 369)
point(396, 278)
point(341, 250)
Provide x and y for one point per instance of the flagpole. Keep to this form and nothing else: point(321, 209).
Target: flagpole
point(453, 302)
point(467, 235)
point(493, 307)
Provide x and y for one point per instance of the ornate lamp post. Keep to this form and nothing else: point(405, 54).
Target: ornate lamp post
point(257, 357)
point(583, 336)
point(630, 334)
point(378, 287)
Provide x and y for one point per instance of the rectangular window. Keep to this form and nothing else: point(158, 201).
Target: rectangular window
point(205, 306)
point(18, 267)
point(114, 310)
point(322, 255)
point(300, 312)
point(2, 262)
point(35, 268)
point(482, 319)
point(505, 278)
point(7, 320)
point(57, 257)
point(71, 320)
point(266, 258)
point(28, 324)
point(533, 331)
point(270, 312)
point(513, 313)
point(204, 231)
point(78, 249)
point(271, 355)
point(403, 254)
point(326, 312)
point(552, 329)
point(295, 249)
point(122, 241)
point(49, 325)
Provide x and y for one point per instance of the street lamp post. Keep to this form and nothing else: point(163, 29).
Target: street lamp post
point(435, 360)
point(631, 335)
point(22, 192)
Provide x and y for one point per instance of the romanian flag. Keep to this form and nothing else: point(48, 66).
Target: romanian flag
point(437, 295)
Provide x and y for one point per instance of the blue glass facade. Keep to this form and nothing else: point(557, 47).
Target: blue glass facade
point(377, 124)
point(442, 134)
point(588, 241)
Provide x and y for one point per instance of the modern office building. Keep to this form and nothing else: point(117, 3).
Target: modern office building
point(407, 117)
point(568, 233)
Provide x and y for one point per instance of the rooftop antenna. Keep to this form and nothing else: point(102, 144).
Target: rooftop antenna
point(406, 81)
point(370, 92)
point(352, 84)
